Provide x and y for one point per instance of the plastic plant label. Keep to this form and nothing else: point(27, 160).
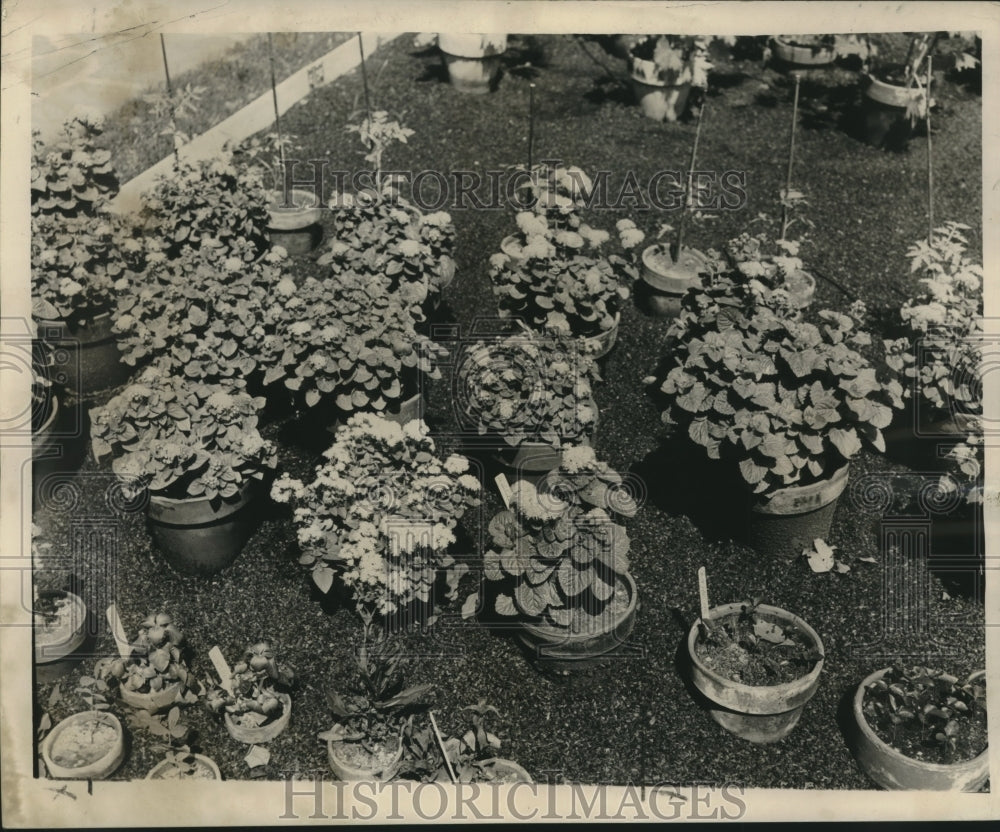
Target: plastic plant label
point(222, 668)
point(505, 492)
point(118, 631)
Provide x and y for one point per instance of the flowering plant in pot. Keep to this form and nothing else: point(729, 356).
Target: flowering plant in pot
point(77, 265)
point(210, 202)
point(154, 676)
point(786, 402)
point(255, 700)
point(472, 60)
point(530, 395)
point(775, 263)
point(554, 285)
point(664, 68)
point(184, 764)
point(805, 50)
point(758, 665)
point(560, 562)
point(366, 740)
point(394, 239)
point(349, 343)
point(195, 447)
point(897, 96)
point(471, 757)
point(922, 728)
point(380, 514)
point(201, 315)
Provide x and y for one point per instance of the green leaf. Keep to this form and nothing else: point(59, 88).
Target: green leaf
point(470, 606)
point(752, 472)
point(505, 605)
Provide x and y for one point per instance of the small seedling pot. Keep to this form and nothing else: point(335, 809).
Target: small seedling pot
point(350, 771)
point(88, 361)
point(895, 771)
point(605, 341)
point(665, 281)
point(70, 737)
point(473, 61)
point(256, 735)
point(802, 56)
point(788, 519)
point(295, 227)
point(161, 771)
point(198, 536)
point(562, 650)
point(154, 701)
point(57, 649)
point(801, 288)
point(761, 714)
point(508, 771)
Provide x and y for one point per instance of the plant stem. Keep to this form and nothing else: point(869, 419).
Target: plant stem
point(791, 157)
point(930, 158)
point(531, 122)
point(687, 191)
point(277, 120)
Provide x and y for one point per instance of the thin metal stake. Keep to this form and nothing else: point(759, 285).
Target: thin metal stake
point(791, 157)
point(170, 95)
point(930, 158)
point(531, 123)
point(444, 753)
point(687, 191)
point(277, 120)
point(364, 79)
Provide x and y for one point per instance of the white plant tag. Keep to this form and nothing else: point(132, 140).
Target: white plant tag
point(222, 668)
point(703, 592)
point(505, 493)
point(118, 631)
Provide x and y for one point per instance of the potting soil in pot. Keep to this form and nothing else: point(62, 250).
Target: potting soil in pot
point(198, 771)
point(83, 743)
point(772, 657)
point(54, 619)
point(357, 756)
point(909, 739)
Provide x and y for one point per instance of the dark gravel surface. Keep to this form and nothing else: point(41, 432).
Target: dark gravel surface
point(634, 719)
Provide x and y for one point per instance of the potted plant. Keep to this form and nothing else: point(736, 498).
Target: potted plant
point(560, 564)
point(922, 728)
point(471, 758)
point(758, 665)
point(805, 50)
point(59, 616)
point(88, 745)
point(77, 266)
point(664, 68)
point(365, 741)
point(939, 352)
point(154, 676)
point(184, 764)
point(530, 396)
point(255, 700)
point(787, 402)
point(196, 449)
point(667, 275)
point(380, 514)
point(202, 316)
point(473, 61)
point(775, 263)
point(350, 344)
point(896, 96)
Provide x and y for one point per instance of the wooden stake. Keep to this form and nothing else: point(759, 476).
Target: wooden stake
point(930, 158)
point(166, 68)
point(277, 120)
point(170, 94)
point(364, 79)
point(703, 592)
point(444, 753)
point(687, 191)
point(791, 156)
point(531, 123)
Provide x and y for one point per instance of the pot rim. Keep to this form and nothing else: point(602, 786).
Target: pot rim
point(333, 745)
point(249, 485)
point(207, 761)
point(895, 754)
point(286, 713)
point(836, 481)
point(46, 426)
point(293, 219)
point(724, 610)
point(77, 633)
point(545, 630)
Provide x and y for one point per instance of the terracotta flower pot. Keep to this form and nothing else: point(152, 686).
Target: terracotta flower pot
point(532, 459)
point(658, 90)
point(564, 650)
point(88, 359)
point(801, 288)
point(507, 771)
point(759, 713)
point(473, 60)
point(77, 750)
point(805, 56)
point(258, 734)
point(57, 645)
point(892, 769)
point(197, 537)
point(885, 122)
point(350, 770)
point(786, 520)
point(168, 770)
point(153, 701)
point(295, 227)
point(605, 341)
point(666, 280)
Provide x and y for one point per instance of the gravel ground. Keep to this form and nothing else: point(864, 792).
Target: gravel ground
point(634, 719)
